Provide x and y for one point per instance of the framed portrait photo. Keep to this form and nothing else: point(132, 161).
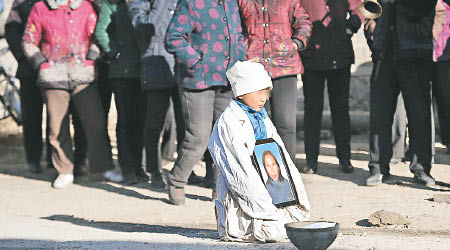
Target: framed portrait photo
point(270, 163)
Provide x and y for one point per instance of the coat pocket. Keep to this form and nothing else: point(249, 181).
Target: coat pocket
point(52, 73)
point(82, 72)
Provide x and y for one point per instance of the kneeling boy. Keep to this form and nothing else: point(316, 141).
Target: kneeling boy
point(244, 207)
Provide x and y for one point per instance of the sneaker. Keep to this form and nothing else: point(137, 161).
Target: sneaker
point(346, 167)
point(374, 180)
point(63, 180)
point(141, 175)
point(112, 176)
point(34, 168)
point(176, 195)
point(308, 169)
point(424, 178)
point(157, 182)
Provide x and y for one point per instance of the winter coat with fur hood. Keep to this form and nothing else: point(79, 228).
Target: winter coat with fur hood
point(57, 42)
point(270, 29)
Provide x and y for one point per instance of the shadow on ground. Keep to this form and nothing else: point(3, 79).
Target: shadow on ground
point(135, 227)
point(48, 175)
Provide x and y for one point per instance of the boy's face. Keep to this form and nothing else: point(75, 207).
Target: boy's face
point(257, 99)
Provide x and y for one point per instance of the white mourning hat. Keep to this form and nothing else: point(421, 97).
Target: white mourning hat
point(246, 77)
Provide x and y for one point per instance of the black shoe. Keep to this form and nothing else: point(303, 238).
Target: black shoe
point(141, 175)
point(157, 182)
point(176, 195)
point(194, 179)
point(129, 179)
point(374, 180)
point(309, 169)
point(346, 167)
point(34, 168)
point(79, 170)
point(424, 178)
point(389, 179)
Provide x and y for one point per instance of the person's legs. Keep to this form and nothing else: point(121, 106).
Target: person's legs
point(313, 85)
point(441, 91)
point(80, 143)
point(198, 112)
point(89, 108)
point(57, 102)
point(31, 107)
point(178, 114)
point(104, 88)
point(338, 82)
point(414, 79)
point(384, 93)
point(283, 105)
point(169, 135)
point(128, 130)
point(399, 131)
point(157, 105)
point(222, 99)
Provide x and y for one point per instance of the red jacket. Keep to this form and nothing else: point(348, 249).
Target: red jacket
point(57, 40)
point(271, 28)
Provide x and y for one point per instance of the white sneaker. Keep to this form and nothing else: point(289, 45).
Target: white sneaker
point(63, 180)
point(113, 176)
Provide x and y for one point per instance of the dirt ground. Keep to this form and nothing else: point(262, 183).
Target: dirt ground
point(110, 216)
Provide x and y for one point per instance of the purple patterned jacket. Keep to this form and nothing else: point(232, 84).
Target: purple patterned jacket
point(205, 37)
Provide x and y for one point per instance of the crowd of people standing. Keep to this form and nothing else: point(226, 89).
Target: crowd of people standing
point(161, 57)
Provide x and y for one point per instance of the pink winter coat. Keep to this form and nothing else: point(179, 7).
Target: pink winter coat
point(57, 40)
point(271, 29)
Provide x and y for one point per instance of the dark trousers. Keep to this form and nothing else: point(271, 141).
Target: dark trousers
point(158, 108)
point(104, 90)
point(338, 84)
point(169, 134)
point(200, 109)
point(283, 107)
point(31, 107)
point(80, 141)
point(88, 106)
point(130, 106)
point(441, 91)
point(412, 78)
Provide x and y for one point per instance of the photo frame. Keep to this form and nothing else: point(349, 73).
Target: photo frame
point(270, 163)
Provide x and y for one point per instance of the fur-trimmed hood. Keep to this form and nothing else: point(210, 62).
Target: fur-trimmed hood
point(73, 4)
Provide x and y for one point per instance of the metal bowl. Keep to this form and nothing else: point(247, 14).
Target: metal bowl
point(312, 235)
